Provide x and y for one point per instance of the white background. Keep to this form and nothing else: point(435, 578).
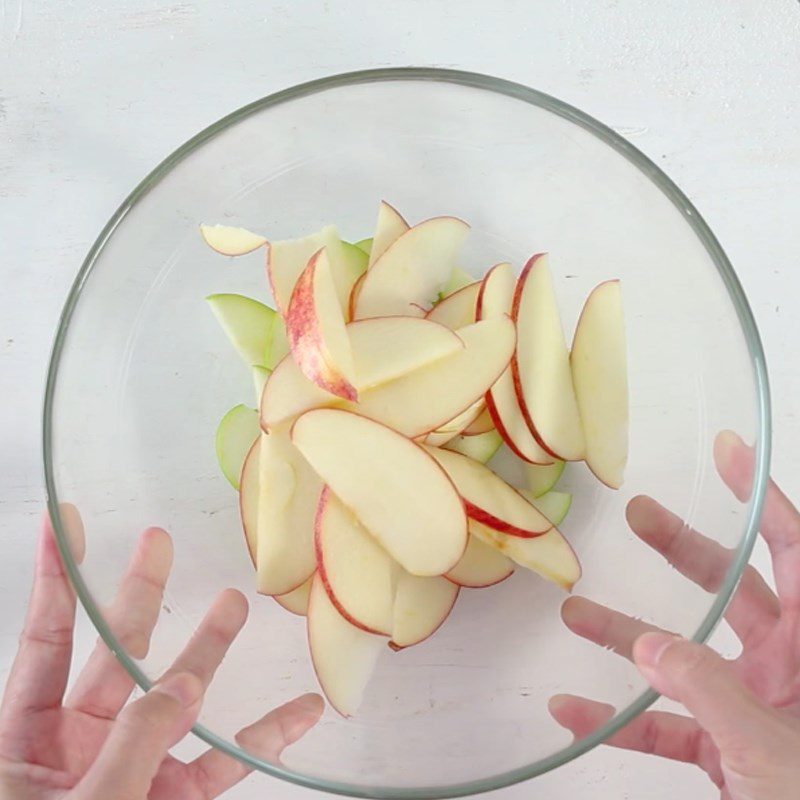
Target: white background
point(93, 95)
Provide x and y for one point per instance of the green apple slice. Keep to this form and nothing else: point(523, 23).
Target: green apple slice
point(260, 375)
point(554, 505)
point(480, 447)
point(354, 258)
point(365, 245)
point(541, 478)
point(248, 324)
point(458, 280)
point(236, 432)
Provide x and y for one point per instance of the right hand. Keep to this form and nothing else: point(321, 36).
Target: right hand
point(745, 731)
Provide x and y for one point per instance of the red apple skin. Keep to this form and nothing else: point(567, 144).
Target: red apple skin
point(305, 337)
point(490, 404)
point(351, 305)
point(398, 647)
point(323, 499)
point(480, 585)
point(493, 522)
point(515, 363)
point(251, 453)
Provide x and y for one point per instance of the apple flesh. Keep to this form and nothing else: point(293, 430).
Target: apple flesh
point(358, 574)
point(483, 423)
point(600, 375)
point(414, 404)
point(458, 309)
point(343, 655)
point(388, 229)
point(540, 479)
point(458, 280)
point(249, 483)
point(316, 330)
point(480, 447)
point(288, 493)
point(481, 565)
point(554, 505)
point(260, 376)
point(392, 486)
point(549, 555)
point(494, 299)
point(248, 324)
point(488, 498)
point(365, 245)
point(231, 241)
point(541, 365)
point(409, 274)
point(421, 606)
point(296, 601)
point(236, 432)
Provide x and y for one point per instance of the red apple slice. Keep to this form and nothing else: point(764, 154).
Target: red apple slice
point(296, 601)
point(389, 228)
point(351, 302)
point(600, 374)
point(458, 309)
point(549, 555)
point(343, 655)
point(393, 487)
point(316, 330)
point(231, 241)
point(483, 423)
point(489, 499)
point(542, 478)
point(385, 348)
point(409, 274)
point(249, 484)
point(421, 606)
point(494, 299)
point(454, 427)
point(414, 404)
point(359, 575)
point(287, 259)
point(480, 447)
point(288, 493)
point(541, 369)
point(481, 565)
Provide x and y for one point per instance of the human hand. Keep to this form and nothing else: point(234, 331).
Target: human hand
point(746, 728)
point(91, 746)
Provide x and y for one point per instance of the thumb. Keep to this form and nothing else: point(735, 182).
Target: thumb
point(708, 688)
point(140, 738)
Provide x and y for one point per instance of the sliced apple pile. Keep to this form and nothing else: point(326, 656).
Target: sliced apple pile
point(387, 381)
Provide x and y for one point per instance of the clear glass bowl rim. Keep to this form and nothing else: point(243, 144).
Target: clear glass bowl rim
point(693, 219)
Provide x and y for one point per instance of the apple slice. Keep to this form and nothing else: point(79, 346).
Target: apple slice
point(483, 423)
point(296, 601)
point(600, 374)
point(481, 565)
point(354, 258)
point(458, 280)
point(407, 277)
point(231, 241)
point(260, 376)
point(542, 478)
point(480, 447)
point(351, 302)
point(549, 555)
point(385, 348)
point(389, 228)
point(414, 404)
point(454, 427)
point(359, 575)
point(458, 309)
point(394, 488)
point(541, 365)
point(236, 432)
point(554, 505)
point(248, 324)
point(421, 606)
point(365, 245)
point(488, 498)
point(316, 329)
point(343, 655)
point(288, 494)
point(249, 483)
point(287, 259)
point(494, 299)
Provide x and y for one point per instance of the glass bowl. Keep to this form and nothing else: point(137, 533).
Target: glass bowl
point(141, 374)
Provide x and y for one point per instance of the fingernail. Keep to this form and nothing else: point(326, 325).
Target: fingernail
point(649, 648)
point(724, 445)
point(312, 703)
point(183, 687)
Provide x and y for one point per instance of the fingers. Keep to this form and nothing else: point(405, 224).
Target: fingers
point(603, 626)
point(694, 675)
point(654, 732)
point(214, 772)
point(207, 647)
point(139, 740)
point(104, 685)
point(754, 607)
point(780, 520)
point(39, 675)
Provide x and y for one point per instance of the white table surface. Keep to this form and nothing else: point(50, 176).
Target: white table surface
point(93, 95)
